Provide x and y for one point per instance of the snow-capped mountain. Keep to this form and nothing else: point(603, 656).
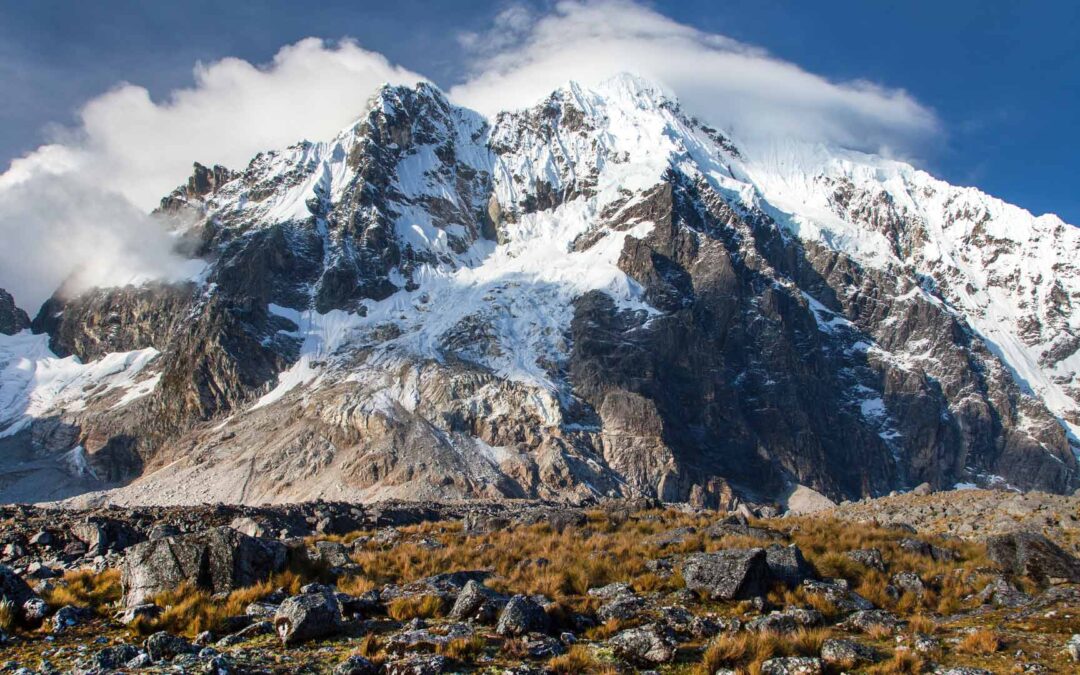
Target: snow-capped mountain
point(594, 295)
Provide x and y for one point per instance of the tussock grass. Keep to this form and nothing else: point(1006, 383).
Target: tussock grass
point(8, 615)
point(981, 642)
point(463, 649)
point(902, 662)
point(578, 659)
point(415, 607)
point(86, 588)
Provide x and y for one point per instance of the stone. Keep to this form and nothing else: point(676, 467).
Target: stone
point(146, 611)
point(846, 653)
point(307, 617)
point(477, 602)
point(521, 615)
point(922, 489)
point(787, 565)
point(793, 665)
point(867, 620)
point(218, 560)
point(1072, 647)
point(787, 621)
point(838, 594)
point(868, 557)
point(647, 645)
point(34, 611)
point(332, 554)
point(245, 634)
point(14, 590)
point(101, 534)
point(162, 646)
point(70, 616)
point(732, 574)
point(909, 582)
point(1032, 554)
point(424, 664)
point(1001, 593)
point(356, 665)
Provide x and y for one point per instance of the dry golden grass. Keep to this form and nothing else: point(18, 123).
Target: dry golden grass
point(903, 662)
point(981, 642)
point(415, 607)
point(86, 588)
point(604, 630)
point(739, 650)
point(921, 623)
point(7, 615)
point(190, 611)
point(578, 659)
point(356, 585)
point(463, 649)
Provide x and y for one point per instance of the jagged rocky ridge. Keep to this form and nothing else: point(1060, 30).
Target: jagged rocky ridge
point(596, 295)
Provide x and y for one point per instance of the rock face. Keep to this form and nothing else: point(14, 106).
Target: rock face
point(218, 560)
point(1032, 554)
point(12, 319)
point(592, 296)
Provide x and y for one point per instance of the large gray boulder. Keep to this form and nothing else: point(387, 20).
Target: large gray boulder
point(734, 574)
point(520, 616)
point(1033, 555)
point(646, 646)
point(477, 602)
point(218, 560)
point(307, 617)
point(787, 564)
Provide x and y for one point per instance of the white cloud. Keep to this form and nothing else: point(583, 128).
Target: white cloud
point(129, 151)
point(80, 202)
point(736, 86)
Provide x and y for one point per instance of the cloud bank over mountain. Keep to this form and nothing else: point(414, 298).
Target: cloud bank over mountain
point(95, 183)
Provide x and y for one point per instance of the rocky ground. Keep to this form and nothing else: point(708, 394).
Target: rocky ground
point(531, 587)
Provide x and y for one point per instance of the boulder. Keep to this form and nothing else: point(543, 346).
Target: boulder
point(34, 611)
point(307, 617)
point(1001, 593)
point(148, 611)
point(219, 560)
point(787, 621)
point(1033, 555)
point(70, 616)
point(869, 557)
point(101, 535)
point(733, 574)
point(787, 565)
point(422, 664)
point(162, 646)
point(838, 593)
point(644, 646)
point(846, 653)
point(477, 602)
point(908, 582)
point(14, 590)
point(793, 665)
point(867, 620)
point(356, 665)
point(520, 616)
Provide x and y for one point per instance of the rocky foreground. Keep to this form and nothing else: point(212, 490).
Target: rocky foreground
point(531, 587)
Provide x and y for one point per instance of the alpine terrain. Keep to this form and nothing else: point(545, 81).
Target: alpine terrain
point(597, 295)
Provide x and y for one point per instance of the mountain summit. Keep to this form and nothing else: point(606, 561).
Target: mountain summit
point(598, 295)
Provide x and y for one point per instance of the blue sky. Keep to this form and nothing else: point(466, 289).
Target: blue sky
point(1003, 78)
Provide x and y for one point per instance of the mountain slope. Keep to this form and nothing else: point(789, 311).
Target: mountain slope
point(595, 295)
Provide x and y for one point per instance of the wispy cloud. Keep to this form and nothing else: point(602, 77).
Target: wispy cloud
point(734, 85)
